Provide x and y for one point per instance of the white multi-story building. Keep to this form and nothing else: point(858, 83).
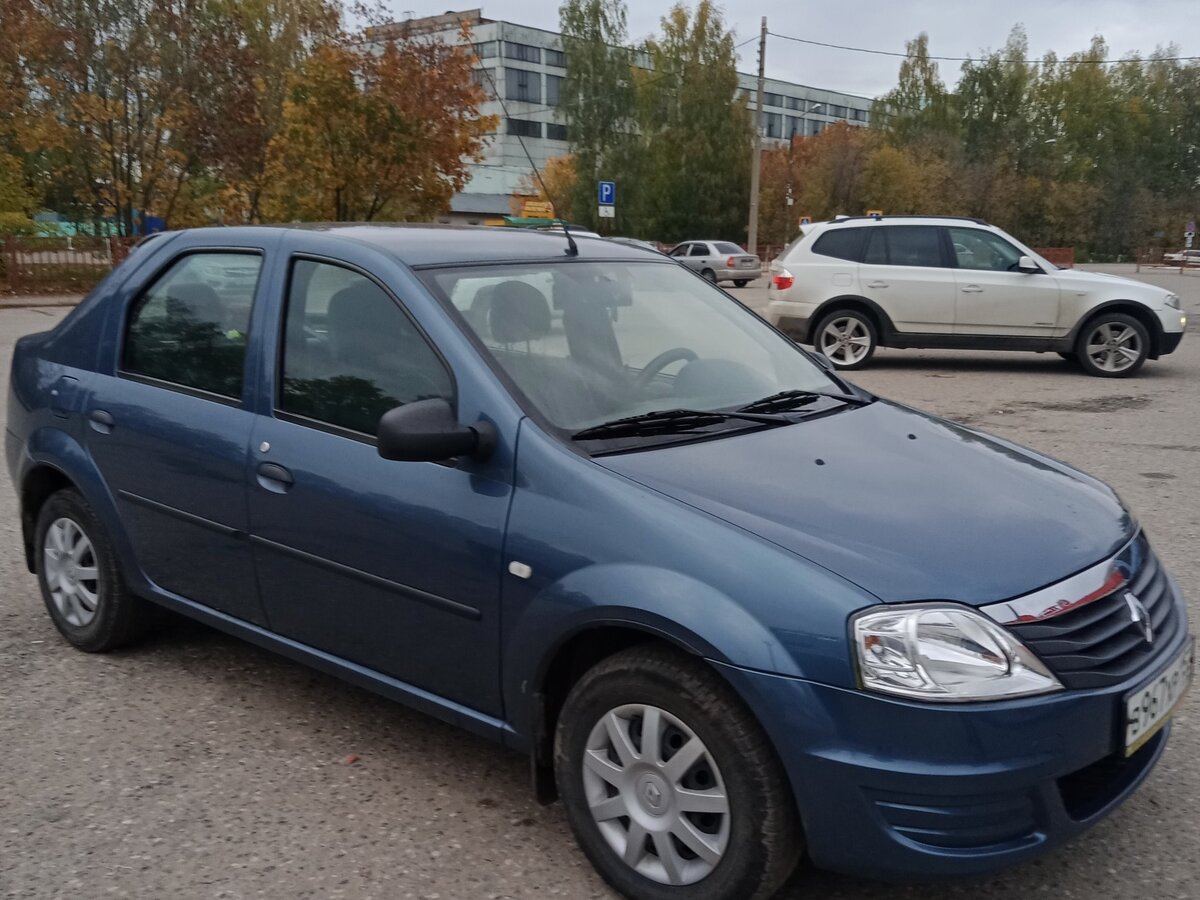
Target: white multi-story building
point(526, 66)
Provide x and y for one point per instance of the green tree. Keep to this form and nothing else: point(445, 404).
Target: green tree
point(597, 101)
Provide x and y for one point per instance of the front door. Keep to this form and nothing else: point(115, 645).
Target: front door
point(169, 433)
point(392, 565)
point(993, 296)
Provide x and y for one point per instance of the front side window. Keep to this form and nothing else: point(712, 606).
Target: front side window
point(190, 327)
point(350, 352)
point(589, 342)
point(982, 250)
point(681, 250)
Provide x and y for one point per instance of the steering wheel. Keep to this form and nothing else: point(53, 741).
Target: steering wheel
point(659, 363)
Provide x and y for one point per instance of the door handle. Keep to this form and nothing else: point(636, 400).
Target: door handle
point(102, 421)
point(274, 478)
point(972, 289)
point(877, 284)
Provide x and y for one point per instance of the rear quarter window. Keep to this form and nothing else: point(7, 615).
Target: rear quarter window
point(841, 243)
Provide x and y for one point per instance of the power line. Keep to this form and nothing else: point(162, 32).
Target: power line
point(1065, 62)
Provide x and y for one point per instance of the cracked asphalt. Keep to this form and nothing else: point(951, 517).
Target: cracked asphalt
point(196, 766)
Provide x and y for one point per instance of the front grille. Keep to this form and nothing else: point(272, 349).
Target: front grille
point(1098, 644)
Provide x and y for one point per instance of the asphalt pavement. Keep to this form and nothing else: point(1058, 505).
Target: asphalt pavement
point(196, 766)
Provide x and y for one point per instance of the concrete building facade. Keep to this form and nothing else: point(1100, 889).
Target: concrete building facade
point(526, 66)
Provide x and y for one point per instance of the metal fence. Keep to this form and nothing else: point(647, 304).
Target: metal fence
point(68, 264)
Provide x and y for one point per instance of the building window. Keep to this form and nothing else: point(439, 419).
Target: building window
point(858, 115)
point(838, 112)
point(480, 77)
point(770, 99)
point(773, 125)
point(521, 84)
point(487, 49)
point(793, 126)
point(556, 58)
point(795, 103)
point(523, 52)
point(556, 132)
point(553, 89)
point(524, 128)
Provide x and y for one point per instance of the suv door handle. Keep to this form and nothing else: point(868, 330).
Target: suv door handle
point(972, 289)
point(877, 284)
point(274, 478)
point(102, 421)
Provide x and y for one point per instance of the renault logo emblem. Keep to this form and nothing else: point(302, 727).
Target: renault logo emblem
point(1139, 617)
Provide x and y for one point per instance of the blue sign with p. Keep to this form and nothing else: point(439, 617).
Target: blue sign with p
point(606, 191)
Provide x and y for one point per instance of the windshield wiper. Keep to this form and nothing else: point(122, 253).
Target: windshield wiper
point(670, 421)
point(793, 399)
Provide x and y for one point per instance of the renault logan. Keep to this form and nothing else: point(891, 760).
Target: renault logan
point(566, 494)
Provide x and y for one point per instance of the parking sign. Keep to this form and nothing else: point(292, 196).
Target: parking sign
point(606, 192)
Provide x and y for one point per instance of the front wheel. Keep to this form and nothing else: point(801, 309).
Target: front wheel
point(670, 786)
point(710, 275)
point(1113, 345)
point(847, 338)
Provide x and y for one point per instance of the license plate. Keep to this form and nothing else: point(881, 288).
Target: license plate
point(1149, 708)
point(747, 263)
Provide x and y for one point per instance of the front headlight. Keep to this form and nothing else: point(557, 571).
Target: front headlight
point(1172, 301)
point(945, 653)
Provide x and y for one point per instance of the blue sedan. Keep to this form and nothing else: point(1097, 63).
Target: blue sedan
point(566, 494)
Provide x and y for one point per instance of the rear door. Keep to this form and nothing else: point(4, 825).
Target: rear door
point(169, 430)
point(993, 297)
point(682, 254)
point(906, 271)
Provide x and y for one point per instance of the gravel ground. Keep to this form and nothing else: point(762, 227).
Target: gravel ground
point(196, 766)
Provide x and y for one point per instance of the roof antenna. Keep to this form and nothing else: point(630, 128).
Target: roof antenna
point(572, 247)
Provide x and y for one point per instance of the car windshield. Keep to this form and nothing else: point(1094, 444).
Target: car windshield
point(590, 342)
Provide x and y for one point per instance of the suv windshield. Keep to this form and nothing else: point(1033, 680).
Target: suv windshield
point(590, 342)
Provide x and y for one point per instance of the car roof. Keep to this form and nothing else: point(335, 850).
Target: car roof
point(439, 245)
point(817, 228)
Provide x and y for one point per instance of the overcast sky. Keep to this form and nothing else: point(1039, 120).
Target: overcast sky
point(955, 27)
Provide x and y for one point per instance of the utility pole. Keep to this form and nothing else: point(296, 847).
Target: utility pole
point(756, 160)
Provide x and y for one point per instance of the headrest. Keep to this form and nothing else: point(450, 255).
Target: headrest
point(519, 312)
point(196, 301)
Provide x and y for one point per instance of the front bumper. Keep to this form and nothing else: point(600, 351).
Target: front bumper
point(910, 791)
point(1171, 341)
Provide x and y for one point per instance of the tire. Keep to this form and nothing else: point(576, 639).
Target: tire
point(115, 617)
point(740, 282)
point(854, 325)
point(750, 848)
point(710, 275)
point(1106, 342)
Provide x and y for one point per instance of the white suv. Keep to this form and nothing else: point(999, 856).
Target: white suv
point(854, 284)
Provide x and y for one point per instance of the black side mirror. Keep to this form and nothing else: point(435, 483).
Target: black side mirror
point(427, 431)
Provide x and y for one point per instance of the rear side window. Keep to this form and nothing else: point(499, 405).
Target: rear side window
point(699, 250)
point(914, 245)
point(191, 325)
point(841, 243)
point(350, 352)
point(727, 247)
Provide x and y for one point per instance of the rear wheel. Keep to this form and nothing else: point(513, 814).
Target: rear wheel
point(670, 786)
point(847, 338)
point(1113, 345)
point(740, 282)
point(80, 578)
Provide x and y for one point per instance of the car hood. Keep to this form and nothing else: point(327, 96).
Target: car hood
point(903, 504)
point(1077, 278)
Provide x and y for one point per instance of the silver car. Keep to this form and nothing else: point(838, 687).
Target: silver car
point(719, 261)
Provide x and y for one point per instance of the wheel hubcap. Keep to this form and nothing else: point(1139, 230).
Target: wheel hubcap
point(71, 574)
point(1114, 347)
point(656, 794)
point(846, 340)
